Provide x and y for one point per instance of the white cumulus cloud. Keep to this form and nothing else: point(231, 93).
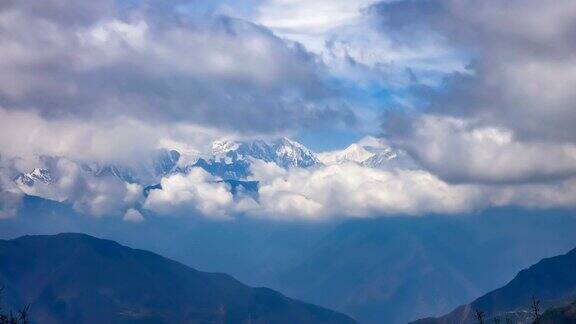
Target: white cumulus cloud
point(194, 193)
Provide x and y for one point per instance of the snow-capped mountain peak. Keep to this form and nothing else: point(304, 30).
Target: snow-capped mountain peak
point(39, 182)
point(38, 175)
point(284, 152)
point(381, 158)
point(370, 152)
point(293, 154)
point(353, 153)
point(221, 147)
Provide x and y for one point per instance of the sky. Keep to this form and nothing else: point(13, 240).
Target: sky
point(479, 94)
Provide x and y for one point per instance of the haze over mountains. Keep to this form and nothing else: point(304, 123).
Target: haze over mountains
point(75, 278)
point(398, 268)
point(551, 281)
point(436, 152)
point(407, 269)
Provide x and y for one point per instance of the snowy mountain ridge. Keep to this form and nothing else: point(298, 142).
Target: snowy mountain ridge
point(229, 161)
point(284, 152)
point(37, 175)
point(369, 152)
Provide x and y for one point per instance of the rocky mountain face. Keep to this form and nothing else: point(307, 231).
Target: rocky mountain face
point(75, 278)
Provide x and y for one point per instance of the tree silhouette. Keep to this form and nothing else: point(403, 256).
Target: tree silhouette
point(480, 316)
point(21, 317)
point(535, 310)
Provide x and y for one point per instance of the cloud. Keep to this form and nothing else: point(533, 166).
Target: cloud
point(97, 196)
point(10, 196)
point(461, 151)
point(191, 194)
point(560, 194)
point(348, 37)
point(347, 191)
point(27, 135)
point(102, 195)
point(113, 81)
point(107, 60)
point(369, 66)
point(10, 202)
point(133, 215)
point(350, 190)
point(309, 18)
point(509, 118)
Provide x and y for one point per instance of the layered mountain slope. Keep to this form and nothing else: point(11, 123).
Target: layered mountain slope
point(75, 278)
point(551, 280)
point(384, 270)
point(396, 270)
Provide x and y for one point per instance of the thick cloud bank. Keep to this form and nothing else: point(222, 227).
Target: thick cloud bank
point(345, 190)
point(487, 87)
point(510, 117)
point(460, 150)
point(194, 193)
point(104, 59)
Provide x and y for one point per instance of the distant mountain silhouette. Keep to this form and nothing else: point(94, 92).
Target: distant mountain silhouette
point(397, 270)
point(383, 270)
point(76, 278)
point(552, 281)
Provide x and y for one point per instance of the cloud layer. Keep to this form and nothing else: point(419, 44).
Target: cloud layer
point(510, 117)
point(346, 190)
point(105, 60)
point(482, 93)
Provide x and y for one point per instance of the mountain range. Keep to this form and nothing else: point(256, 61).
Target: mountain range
point(228, 160)
point(76, 278)
point(551, 282)
point(400, 274)
point(284, 152)
point(384, 270)
point(397, 270)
